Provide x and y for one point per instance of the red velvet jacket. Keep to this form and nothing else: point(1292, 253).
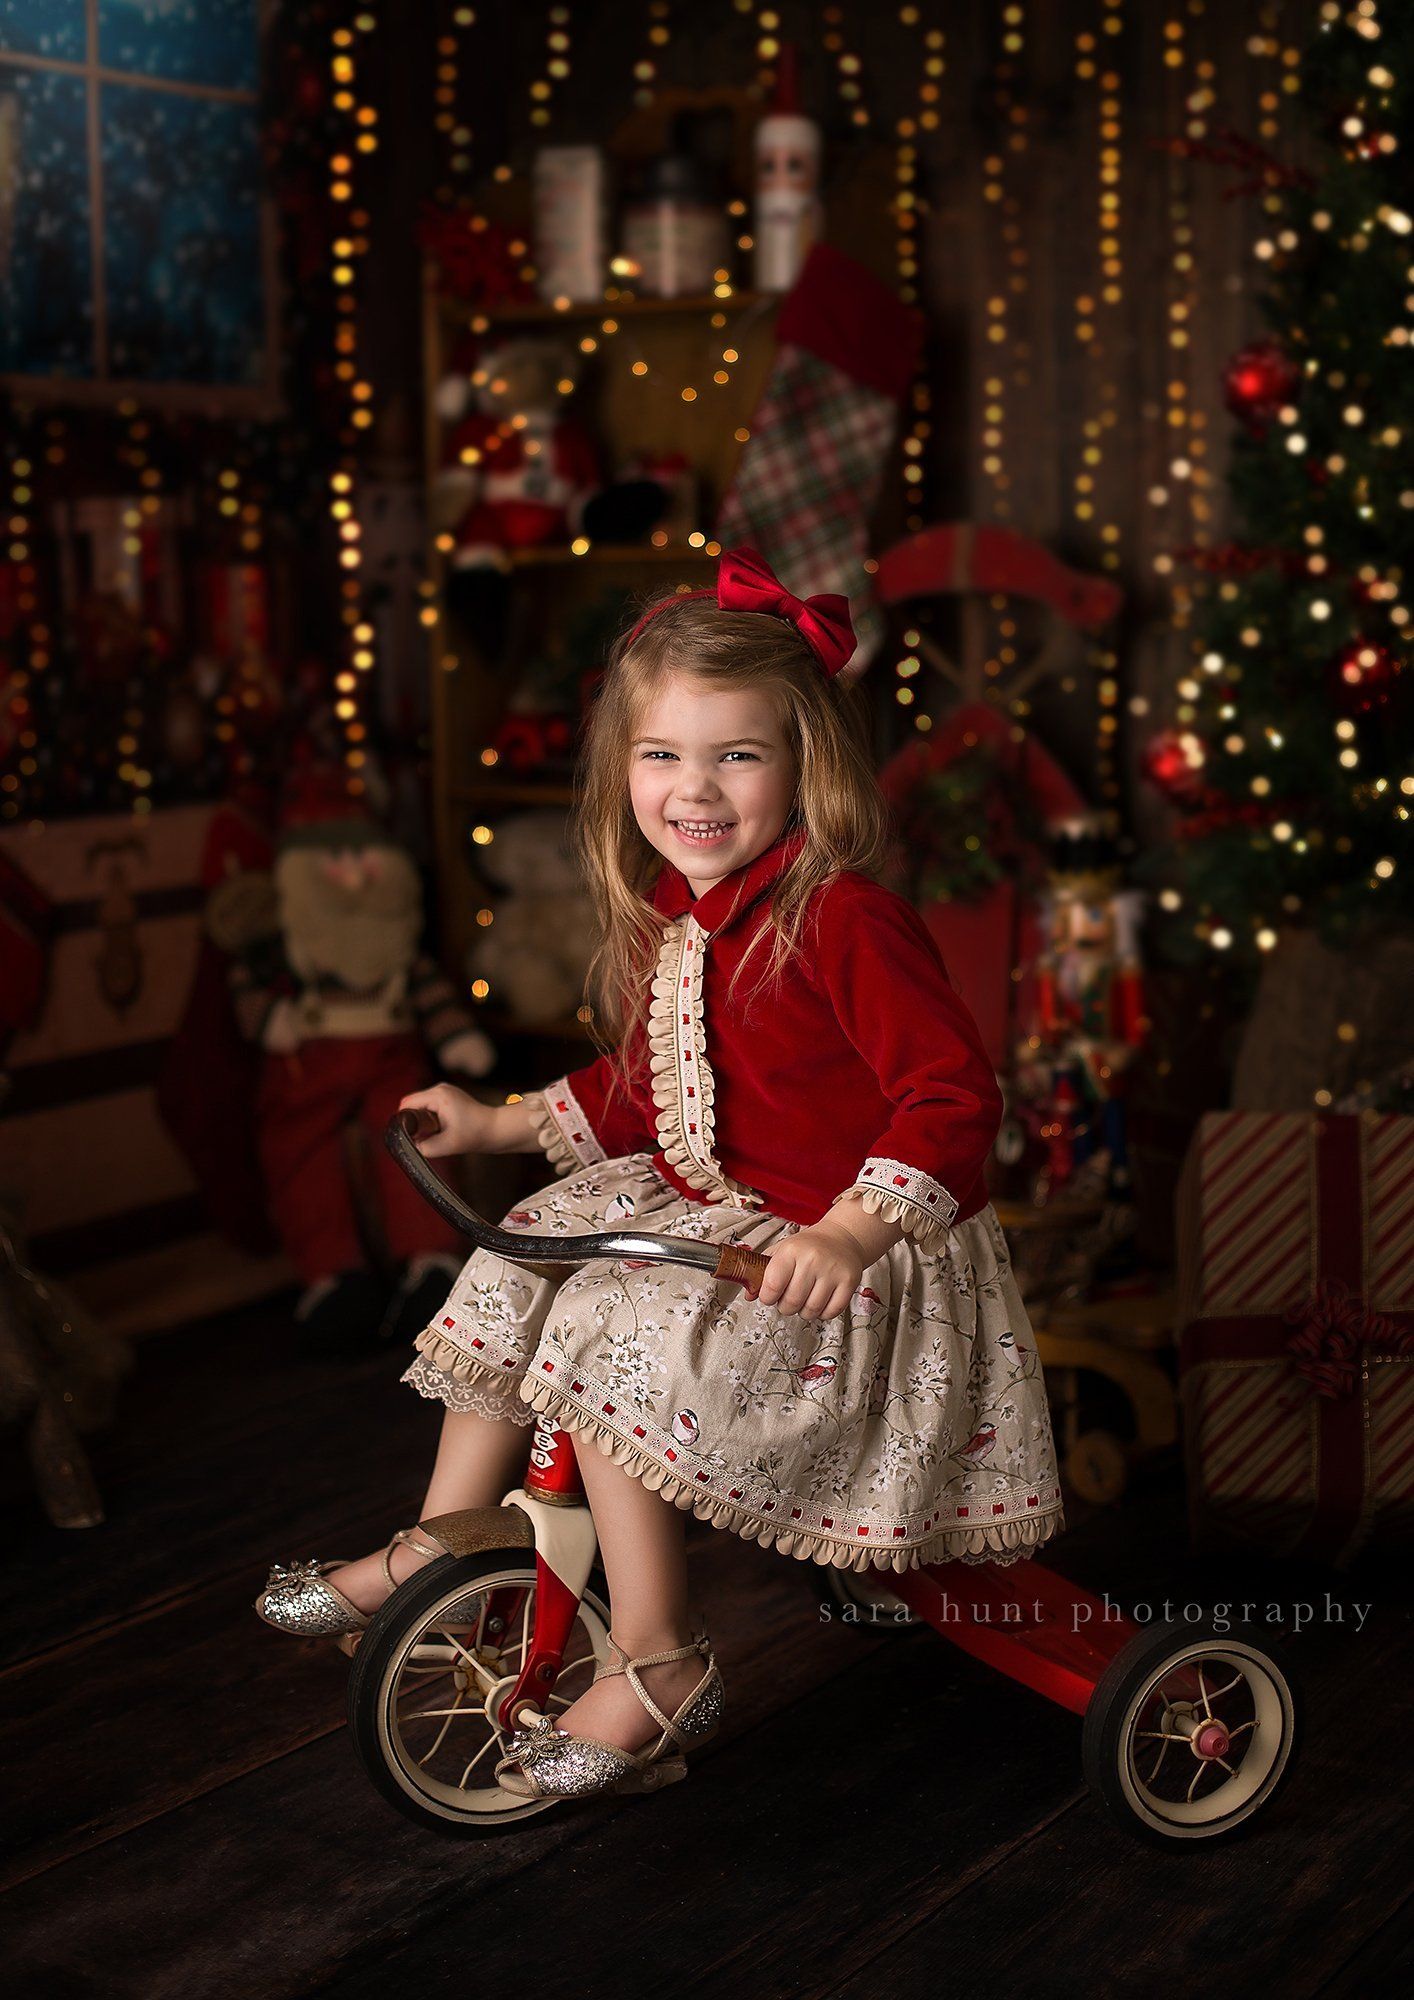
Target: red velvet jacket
point(862, 1073)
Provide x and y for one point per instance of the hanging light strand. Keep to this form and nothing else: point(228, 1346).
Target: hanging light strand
point(454, 134)
point(645, 69)
point(557, 66)
point(355, 145)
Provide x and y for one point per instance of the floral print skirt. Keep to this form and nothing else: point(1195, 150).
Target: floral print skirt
point(912, 1428)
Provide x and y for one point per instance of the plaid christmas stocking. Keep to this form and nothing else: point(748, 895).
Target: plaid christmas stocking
point(809, 475)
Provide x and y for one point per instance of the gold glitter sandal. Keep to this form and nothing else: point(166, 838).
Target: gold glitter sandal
point(543, 1762)
point(299, 1598)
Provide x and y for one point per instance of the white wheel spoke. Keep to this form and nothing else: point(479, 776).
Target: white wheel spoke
point(1204, 1764)
point(422, 1761)
point(482, 1674)
point(1218, 1693)
point(492, 1742)
point(1232, 1734)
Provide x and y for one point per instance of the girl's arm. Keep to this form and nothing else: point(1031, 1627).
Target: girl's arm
point(586, 1116)
point(469, 1126)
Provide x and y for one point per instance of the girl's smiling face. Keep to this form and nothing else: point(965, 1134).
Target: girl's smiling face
point(711, 777)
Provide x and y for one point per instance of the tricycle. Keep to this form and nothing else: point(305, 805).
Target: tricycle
point(1187, 1733)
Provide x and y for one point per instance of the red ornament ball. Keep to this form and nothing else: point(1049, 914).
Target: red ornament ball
point(1365, 675)
point(1259, 379)
point(1173, 763)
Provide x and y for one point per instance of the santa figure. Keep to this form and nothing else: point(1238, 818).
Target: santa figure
point(328, 980)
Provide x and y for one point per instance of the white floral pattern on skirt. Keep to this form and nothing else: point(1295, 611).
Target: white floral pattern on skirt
point(912, 1428)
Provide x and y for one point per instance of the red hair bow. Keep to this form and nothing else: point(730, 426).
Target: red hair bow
point(746, 582)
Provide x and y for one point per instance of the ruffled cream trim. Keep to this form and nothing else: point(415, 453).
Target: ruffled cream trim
point(678, 1056)
point(557, 1131)
point(1002, 1543)
point(929, 1232)
point(553, 1143)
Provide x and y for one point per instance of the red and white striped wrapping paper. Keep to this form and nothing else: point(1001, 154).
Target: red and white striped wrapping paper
point(1296, 1290)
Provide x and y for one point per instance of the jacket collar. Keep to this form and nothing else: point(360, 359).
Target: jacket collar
point(735, 894)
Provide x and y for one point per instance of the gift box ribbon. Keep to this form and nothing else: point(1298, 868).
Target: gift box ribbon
point(1336, 1335)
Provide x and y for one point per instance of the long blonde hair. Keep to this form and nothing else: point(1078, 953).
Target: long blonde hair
point(837, 802)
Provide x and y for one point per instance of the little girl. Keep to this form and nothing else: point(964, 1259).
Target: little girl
point(794, 1072)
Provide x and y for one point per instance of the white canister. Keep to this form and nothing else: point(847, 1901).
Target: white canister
point(571, 222)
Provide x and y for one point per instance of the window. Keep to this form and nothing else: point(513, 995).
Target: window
point(135, 241)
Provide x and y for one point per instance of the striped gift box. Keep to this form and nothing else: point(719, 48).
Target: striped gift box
point(1296, 1293)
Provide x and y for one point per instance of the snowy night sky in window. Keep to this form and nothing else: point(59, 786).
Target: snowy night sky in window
point(179, 296)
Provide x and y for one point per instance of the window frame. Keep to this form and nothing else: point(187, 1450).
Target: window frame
point(218, 399)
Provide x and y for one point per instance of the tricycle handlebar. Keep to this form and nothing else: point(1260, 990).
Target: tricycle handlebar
point(733, 1262)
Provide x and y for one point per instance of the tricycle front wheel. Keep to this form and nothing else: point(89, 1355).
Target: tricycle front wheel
point(431, 1673)
point(1190, 1733)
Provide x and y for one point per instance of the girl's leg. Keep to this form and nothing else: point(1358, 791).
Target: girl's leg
point(645, 1561)
point(478, 1459)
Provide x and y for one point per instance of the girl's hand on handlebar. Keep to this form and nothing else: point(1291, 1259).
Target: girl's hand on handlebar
point(464, 1120)
point(814, 1273)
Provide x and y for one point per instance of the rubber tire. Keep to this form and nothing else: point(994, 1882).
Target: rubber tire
point(1101, 1749)
point(408, 1603)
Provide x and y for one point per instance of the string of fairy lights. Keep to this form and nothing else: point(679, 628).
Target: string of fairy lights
point(557, 66)
point(1106, 301)
point(645, 69)
point(355, 141)
point(454, 134)
point(768, 46)
point(18, 721)
point(849, 69)
point(907, 219)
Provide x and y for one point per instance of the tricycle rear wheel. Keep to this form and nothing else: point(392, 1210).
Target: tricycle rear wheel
point(1190, 1733)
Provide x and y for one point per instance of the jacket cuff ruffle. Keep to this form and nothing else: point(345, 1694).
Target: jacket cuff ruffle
point(565, 1134)
point(904, 1194)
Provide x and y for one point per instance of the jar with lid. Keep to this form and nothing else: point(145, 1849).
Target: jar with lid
point(673, 232)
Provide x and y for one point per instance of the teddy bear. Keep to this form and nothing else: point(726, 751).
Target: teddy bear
point(534, 954)
point(518, 468)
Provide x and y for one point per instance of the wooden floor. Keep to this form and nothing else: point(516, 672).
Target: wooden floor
point(879, 1814)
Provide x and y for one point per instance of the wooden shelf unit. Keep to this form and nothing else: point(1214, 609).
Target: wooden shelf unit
point(614, 305)
point(630, 416)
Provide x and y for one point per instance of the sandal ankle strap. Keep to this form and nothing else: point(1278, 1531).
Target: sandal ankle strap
point(407, 1536)
point(701, 1645)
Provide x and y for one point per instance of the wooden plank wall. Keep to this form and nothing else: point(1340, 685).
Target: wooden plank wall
point(1036, 246)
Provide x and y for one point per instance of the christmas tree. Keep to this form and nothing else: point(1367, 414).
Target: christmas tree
point(1293, 758)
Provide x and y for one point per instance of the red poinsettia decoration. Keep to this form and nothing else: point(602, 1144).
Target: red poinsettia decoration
point(479, 261)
